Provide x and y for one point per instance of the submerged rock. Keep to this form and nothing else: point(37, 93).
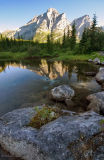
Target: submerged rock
point(96, 102)
point(100, 76)
point(68, 137)
point(89, 73)
point(62, 93)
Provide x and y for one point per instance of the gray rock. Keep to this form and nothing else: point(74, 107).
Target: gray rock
point(67, 138)
point(96, 102)
point(100, 76)
point(97, 61)
point(61, 93)
point(90, 60)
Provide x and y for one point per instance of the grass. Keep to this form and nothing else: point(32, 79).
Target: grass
point(13, 56)
point(57, 55)
point(81, 57)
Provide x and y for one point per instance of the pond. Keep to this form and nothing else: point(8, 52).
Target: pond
point(26, 84)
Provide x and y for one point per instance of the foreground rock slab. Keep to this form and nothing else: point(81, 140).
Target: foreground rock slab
point(96, 102)
point(62, 93)
point(67, 138)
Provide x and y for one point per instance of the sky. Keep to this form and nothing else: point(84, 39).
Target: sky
point(16, 13)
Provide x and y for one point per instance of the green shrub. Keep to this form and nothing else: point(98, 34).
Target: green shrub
point(34, 50)
point(14, 49)
point(23, 48)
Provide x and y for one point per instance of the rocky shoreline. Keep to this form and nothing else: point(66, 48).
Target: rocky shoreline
point(70, 137)
point(65, 138)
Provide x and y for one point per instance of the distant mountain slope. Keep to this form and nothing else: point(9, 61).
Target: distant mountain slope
point(81, 23)
point(51, 21)
point(8, 33)
point(44, 24)
point(103, 28)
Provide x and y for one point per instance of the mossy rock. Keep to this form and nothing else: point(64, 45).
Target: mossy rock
point(44, 115)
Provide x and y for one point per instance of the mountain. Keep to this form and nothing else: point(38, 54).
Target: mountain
point(51, 21)
point(8, 33)
point(103, 28)
point(81, 23)
point(40, 26)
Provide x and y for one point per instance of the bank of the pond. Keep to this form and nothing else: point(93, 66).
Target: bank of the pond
point(54, 56)
point(13, 55)
point(79, 57)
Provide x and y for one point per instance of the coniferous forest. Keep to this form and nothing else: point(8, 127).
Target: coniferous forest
point(92, 40)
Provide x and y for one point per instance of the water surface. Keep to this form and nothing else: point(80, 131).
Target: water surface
point(24, 84)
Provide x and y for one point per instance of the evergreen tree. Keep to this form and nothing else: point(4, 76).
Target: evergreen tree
point(68, 38)
point(73, 37)
point(89, 41)
point(64, 39)
point(68, 34)
point(94, 23)
point(52, 37)
point(1, 36)
point(48, 43)
point(93, 33)
point(84, 45)
point(18, 37)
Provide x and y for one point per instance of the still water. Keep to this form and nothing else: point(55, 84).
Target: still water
point(26, 84)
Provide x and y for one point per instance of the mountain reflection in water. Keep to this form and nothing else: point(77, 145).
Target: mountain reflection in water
point(28, 83)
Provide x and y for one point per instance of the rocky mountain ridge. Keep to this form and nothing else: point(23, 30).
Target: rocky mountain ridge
point(81, 23)
point(51, 21)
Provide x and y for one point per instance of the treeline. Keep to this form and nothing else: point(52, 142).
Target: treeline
point(11, 44)
point(92, 40)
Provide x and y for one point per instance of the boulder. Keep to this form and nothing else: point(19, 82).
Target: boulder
point(96, 102)
point(100, 76)
point(68, 137)
point(90, 60)
point(61, 93)
point(97, 61)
